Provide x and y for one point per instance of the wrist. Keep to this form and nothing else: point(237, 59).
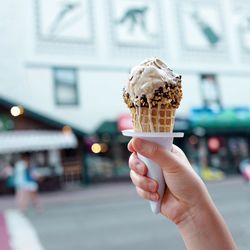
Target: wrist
point(194, 220)
point(204, 228)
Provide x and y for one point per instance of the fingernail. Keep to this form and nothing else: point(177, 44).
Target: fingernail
point(155, 197)
point(146, 147)
point(141, 145)
point(139, 167)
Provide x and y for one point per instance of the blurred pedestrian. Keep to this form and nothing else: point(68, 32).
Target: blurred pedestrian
point(186, 201)
point(7, 174)
point(25, 183)
point(7, 170)
point(32, 178)
point(245, 169)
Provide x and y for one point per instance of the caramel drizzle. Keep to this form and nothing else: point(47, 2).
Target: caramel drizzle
point(151, 125)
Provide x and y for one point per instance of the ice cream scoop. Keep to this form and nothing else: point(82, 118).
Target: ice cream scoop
point(152, 94)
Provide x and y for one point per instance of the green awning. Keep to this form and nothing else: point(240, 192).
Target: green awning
point(107, 127)
point(226, 118)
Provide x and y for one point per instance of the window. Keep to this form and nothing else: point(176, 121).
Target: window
point(65, 81)
point(210, 91)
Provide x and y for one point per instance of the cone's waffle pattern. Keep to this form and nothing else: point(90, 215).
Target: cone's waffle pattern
point(153, 119)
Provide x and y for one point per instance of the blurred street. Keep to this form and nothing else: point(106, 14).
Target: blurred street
point(72, 75)
point(111, 216)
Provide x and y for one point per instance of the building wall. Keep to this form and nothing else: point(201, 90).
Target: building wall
point(103, 60)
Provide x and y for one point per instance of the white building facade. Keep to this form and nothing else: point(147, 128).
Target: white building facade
point(69, 59)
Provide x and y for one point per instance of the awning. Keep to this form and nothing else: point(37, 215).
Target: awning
point(228, 118)
point(108, 127)
point(35, 140)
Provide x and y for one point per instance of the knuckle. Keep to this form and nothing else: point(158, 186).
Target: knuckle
point(141, 193)
point(143, 182)
point(133, 163)
point(139, 183)
point(130, 161)
point(144, 194)
point(151, 149)
point(137, 179)
point(154, 149)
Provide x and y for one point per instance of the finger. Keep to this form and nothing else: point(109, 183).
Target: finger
point(167, 160)
point(178, 152)
point(130, 146)
point(143, 182)
point(147, 195)
point(137, 165)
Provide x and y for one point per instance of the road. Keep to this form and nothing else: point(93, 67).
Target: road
point(112, 216)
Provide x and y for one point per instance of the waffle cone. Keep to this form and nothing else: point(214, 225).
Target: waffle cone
point(153, 119)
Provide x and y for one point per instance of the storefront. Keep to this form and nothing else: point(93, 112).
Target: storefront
point(45, 147)
point(107, 154)
point(56, 149)
point(220, 139)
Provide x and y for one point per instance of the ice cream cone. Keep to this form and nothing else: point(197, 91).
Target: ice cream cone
point(153, 94)
point(153, 119)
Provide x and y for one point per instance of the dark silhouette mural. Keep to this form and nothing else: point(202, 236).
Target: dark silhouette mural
point(134, 17)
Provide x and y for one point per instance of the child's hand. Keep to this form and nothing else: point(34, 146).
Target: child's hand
point(184, 190)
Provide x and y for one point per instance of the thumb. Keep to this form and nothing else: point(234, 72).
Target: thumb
point(168, 161)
